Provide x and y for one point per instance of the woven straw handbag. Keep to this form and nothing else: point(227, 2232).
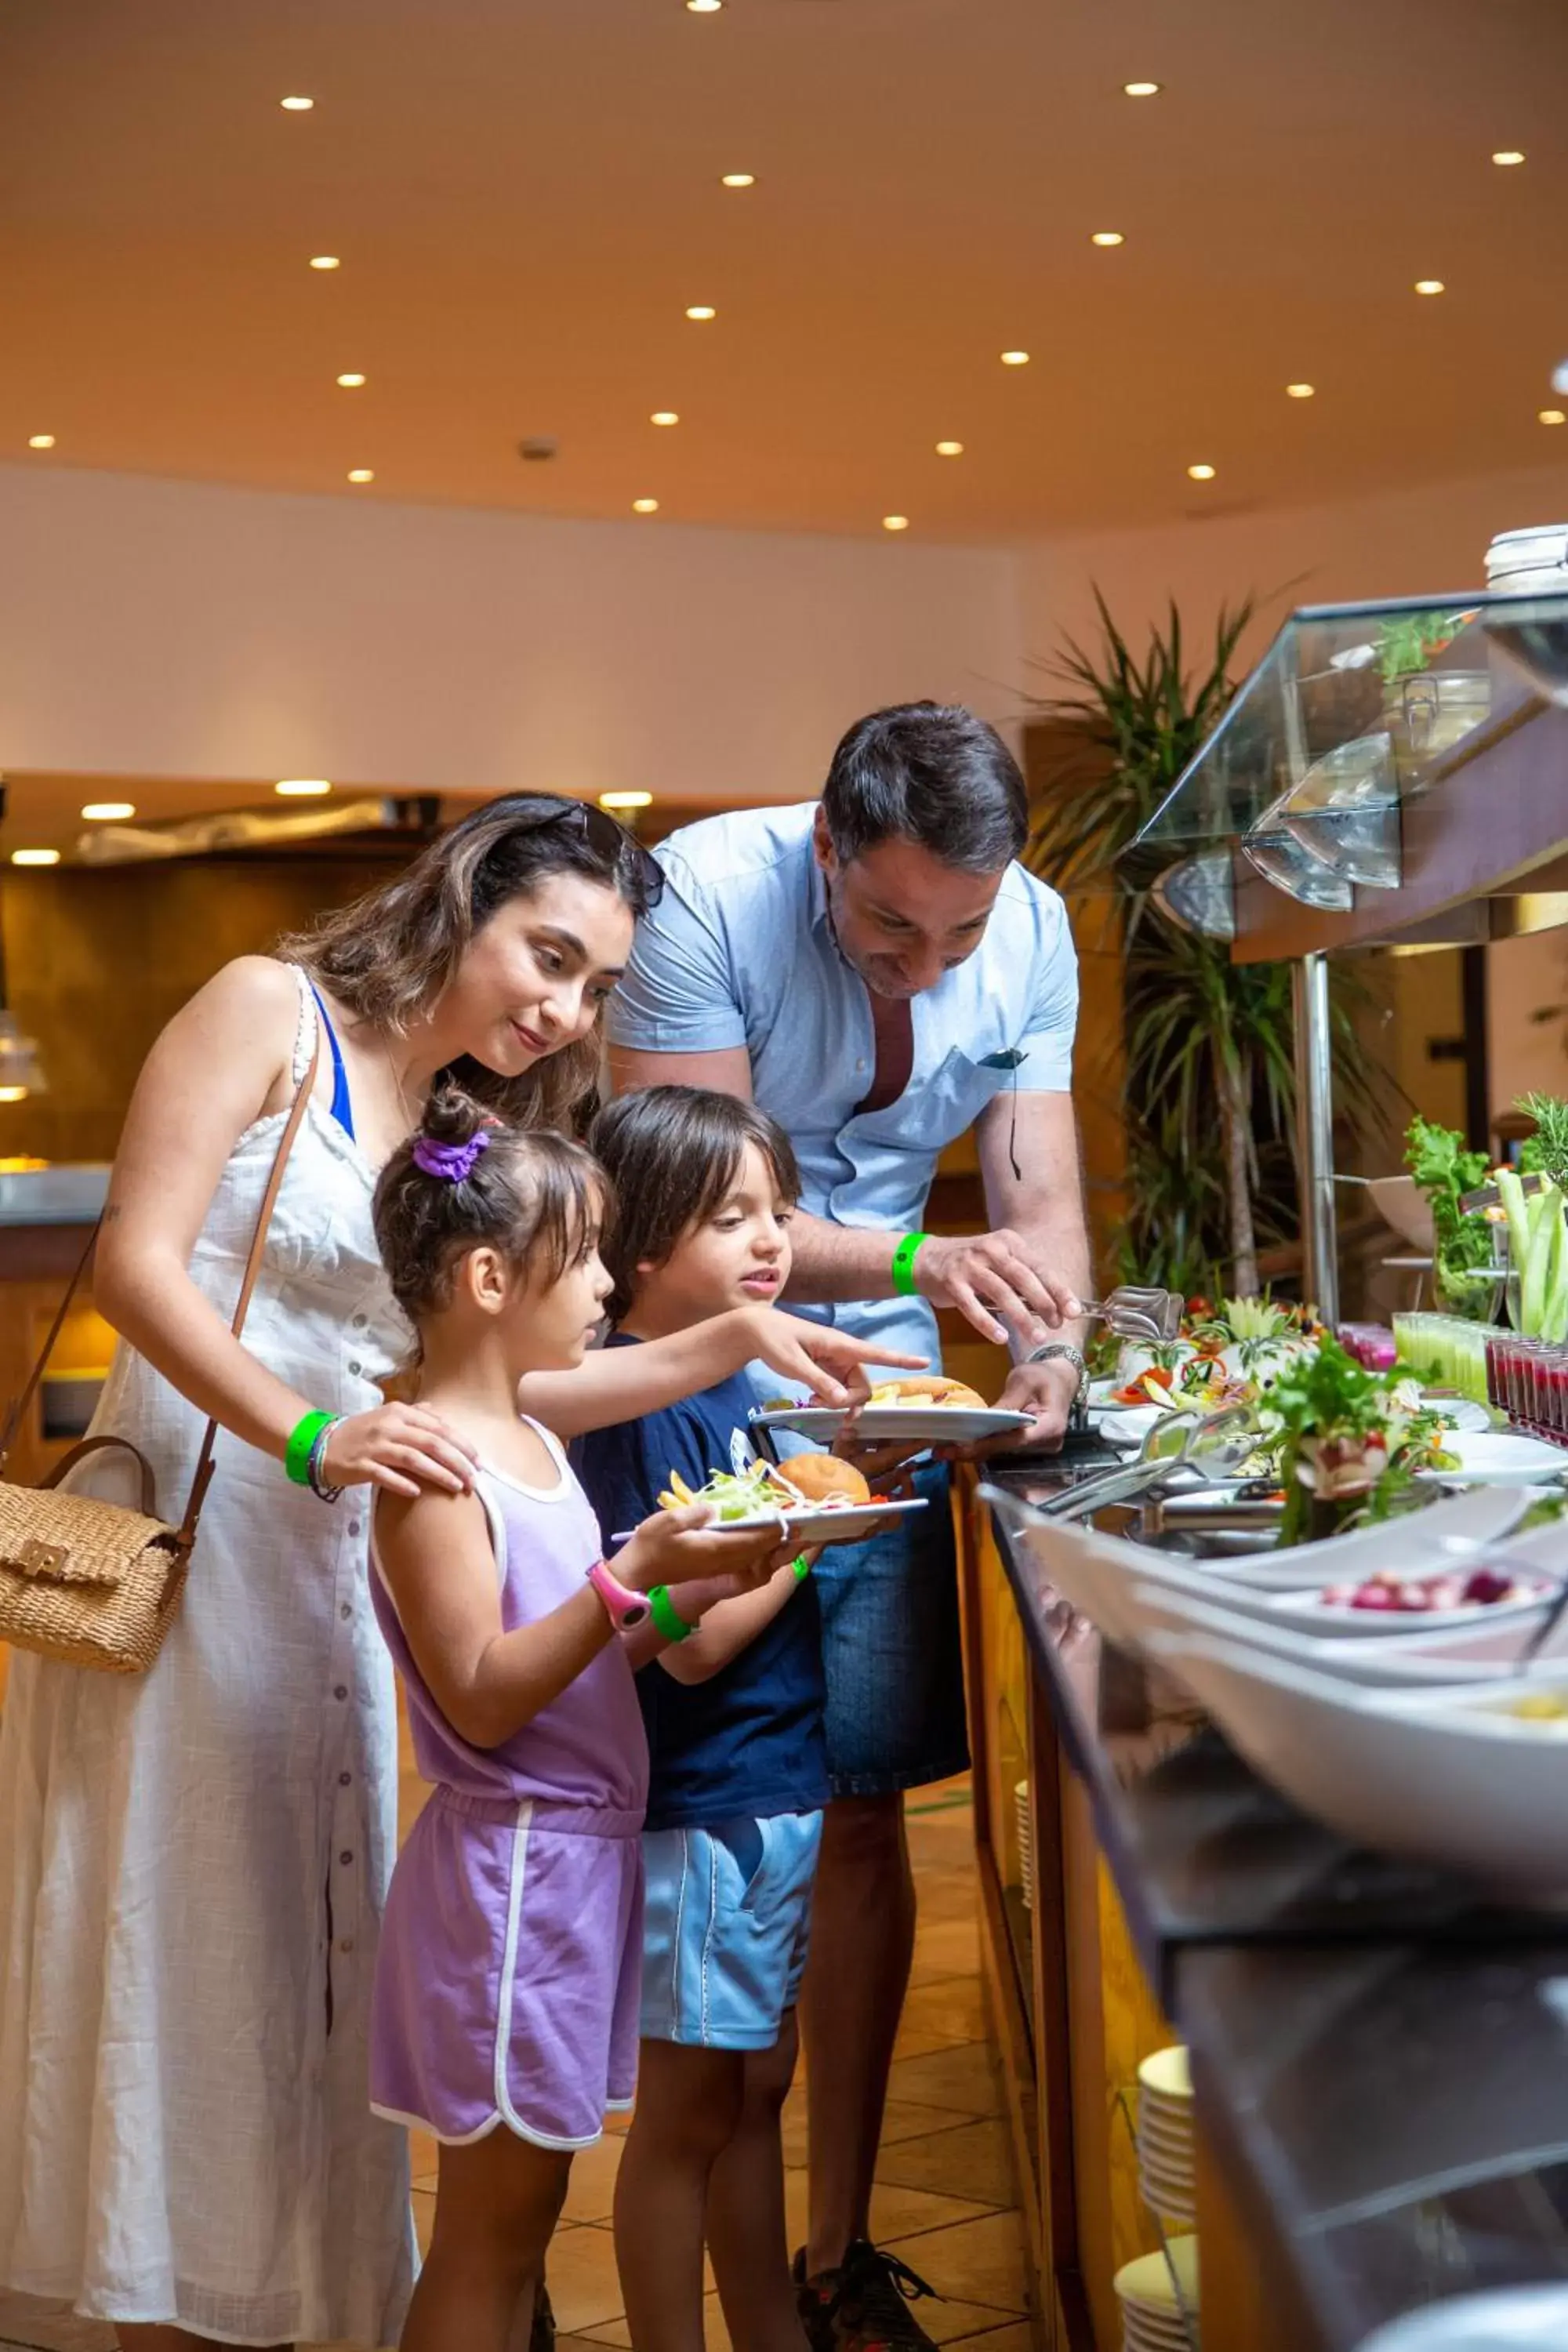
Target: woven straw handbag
point(93, 1583)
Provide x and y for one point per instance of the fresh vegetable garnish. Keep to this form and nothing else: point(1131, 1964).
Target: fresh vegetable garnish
point(1443, 1171)
point(1538, 1248)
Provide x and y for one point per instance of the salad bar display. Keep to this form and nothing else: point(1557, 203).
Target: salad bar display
point(1294, 1682)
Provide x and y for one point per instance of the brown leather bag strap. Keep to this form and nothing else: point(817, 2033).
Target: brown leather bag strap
point(13, 1418)
point(149, 1502)
point(203, 1471)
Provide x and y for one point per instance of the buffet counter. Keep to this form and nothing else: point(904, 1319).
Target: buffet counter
point(1380, 2061)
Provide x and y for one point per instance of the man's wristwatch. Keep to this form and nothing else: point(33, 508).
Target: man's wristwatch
point(1070, 1355)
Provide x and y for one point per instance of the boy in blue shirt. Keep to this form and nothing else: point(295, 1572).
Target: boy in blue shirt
point(706, 1185)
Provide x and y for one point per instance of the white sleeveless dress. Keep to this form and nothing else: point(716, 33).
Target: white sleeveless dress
point(193, 1863)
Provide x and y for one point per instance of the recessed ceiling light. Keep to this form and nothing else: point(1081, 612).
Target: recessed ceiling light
point(361, 473)
point(703, 7)
point(665, 416)
point(1108, 237)
point(325, 261)
point(1430, 286)
point(302, 788)
point(40, 440)
point(895, 522)
point(352, 382)
point(1142, 89)
point(296, 105)
point(645, 506)
point(626, 800)
point(1509, 155)
point(1301, 391)
point(1202, 472)
point(738, 179)
point(1551, 416)
point(1014, 359)
point(950, 448)
point(109, 812)
point(35, 858)
point(701, 311)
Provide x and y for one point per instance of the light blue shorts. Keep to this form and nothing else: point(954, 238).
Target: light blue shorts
point(725, 1928)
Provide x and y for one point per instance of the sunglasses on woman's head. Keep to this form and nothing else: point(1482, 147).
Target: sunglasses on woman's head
point(609, 839)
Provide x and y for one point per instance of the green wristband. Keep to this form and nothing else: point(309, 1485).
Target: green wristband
point(667, 1618)
point(801, 1570)
point(904, 1258)
point(302, 1438)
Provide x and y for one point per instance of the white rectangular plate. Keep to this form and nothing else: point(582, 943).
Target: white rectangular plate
point(1498, 1458)
point(894, 1425)
point(806, 1526)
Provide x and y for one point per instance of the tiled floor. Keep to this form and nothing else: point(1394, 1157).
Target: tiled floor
point(943, 2199)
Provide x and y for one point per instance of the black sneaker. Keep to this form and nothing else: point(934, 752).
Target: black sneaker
point(543, 2339)
point(863, 2306)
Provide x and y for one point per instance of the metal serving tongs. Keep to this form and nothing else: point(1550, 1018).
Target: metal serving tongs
point(1214, 1444)
point(1132, 1313)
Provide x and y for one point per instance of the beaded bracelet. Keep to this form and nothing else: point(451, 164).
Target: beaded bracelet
point(316, 1469)
point(302, 1445)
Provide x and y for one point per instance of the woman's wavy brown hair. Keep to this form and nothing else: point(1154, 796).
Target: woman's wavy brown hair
point(389, 955)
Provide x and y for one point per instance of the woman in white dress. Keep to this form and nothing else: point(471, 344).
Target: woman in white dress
point(193, 1862)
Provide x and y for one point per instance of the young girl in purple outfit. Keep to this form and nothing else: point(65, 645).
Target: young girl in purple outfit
point(505, 2012)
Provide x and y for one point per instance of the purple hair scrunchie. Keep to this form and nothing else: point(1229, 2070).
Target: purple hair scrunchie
point(452, 1163)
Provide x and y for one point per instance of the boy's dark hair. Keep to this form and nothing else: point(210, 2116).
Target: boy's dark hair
point(673, 1153)
point(933, 773)
point(529, 1193)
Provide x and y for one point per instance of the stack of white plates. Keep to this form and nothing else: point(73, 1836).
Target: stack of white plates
point(1026, 1845)
point(1151, 2317)
point(1165, 2164)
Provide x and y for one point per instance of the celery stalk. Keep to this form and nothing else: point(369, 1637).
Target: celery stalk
point(1511, 1192)
point(1554, 1304)
point(1537, 1253)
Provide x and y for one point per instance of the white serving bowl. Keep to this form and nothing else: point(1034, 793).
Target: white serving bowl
point(1118, 1586)
point(1440, 1777)
point(1513, 2319)
point(1477, 1652)
point(1440, 1535)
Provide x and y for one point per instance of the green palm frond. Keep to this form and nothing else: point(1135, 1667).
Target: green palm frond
point(1127, 725)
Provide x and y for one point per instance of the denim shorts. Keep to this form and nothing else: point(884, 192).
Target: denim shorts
point(725, 1925)
point(893, 1651)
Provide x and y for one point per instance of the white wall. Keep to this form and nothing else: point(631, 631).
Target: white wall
point(1404, 544)
point(169, 629)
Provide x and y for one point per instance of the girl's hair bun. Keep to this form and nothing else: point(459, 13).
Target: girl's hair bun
point(452, 1115)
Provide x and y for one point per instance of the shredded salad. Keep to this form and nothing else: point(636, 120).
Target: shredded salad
point(750, 1495)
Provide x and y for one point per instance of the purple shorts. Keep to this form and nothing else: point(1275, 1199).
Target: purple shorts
point(507, 1980)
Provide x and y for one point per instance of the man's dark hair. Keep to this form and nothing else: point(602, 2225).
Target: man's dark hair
point(933, 773)
point(673, 1154)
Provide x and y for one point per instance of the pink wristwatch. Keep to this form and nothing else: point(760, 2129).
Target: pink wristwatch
point(625, 1608)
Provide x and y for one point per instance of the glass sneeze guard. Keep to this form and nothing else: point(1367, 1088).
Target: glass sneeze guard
point(1353, 710)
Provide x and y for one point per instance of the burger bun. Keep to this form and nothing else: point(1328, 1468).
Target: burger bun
point(818, 1476)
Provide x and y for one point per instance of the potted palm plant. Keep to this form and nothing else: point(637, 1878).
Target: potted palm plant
point(1202, 1035)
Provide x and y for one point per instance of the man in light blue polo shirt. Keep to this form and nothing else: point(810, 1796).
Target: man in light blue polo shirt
point(879, 973)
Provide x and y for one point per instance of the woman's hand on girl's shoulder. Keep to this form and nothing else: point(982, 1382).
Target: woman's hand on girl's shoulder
point(403, 1447)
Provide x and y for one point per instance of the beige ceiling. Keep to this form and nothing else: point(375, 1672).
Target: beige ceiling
point(525, 196)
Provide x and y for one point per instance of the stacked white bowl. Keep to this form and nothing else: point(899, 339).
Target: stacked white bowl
point(1152, 2315)
point(1165, 2161)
